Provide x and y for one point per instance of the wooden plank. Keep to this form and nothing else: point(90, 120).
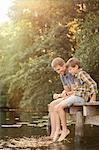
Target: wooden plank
point(87, 104)
point(90, 110)
point(75, 109)
point(94, 120)
point(92, 104)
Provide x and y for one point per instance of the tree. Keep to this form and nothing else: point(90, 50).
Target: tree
point(37, 33)
point(87, 45)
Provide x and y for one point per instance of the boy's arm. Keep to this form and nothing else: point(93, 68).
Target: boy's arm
point(92, 84)
point(93, 98)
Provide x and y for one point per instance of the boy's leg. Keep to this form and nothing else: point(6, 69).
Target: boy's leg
point(53, 115)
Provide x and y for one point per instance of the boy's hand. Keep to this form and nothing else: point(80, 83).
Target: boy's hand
point(92, 101)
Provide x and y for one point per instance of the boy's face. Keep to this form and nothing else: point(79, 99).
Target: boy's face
point(60, 69)
point(73, 70)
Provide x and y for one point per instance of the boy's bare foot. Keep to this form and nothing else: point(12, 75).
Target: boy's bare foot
point(63, 135)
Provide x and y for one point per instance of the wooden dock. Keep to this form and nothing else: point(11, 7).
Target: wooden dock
point(86, 113)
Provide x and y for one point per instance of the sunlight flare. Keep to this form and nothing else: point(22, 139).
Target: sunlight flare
point(4, 7)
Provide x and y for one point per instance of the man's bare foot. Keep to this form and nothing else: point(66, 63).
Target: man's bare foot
point(56, 135)
point(51, 136)
point(63, 135)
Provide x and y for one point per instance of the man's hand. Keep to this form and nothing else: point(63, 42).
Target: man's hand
point(69, 93)
point(56, 96)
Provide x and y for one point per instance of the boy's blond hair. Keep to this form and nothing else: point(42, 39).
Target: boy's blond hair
point(57, 61)
point(72, 62)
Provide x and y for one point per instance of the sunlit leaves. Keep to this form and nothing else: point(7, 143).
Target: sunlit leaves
point(88, 50)
point(38, 32)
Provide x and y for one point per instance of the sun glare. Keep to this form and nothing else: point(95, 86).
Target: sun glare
point(4, 7)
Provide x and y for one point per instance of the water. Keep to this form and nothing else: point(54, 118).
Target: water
point(30, 133)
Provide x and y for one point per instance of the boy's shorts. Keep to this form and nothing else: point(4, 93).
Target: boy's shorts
point(71, 100)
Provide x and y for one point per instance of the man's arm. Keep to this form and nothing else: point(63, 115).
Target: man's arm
point(63, 94)
point(66, 91)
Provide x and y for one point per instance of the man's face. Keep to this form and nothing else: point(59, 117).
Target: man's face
point(60, 69)
point(73, 70)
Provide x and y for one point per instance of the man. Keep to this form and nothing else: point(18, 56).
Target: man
point(59, 65)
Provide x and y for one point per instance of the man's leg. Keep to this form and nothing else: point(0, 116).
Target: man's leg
point(53, 115)
point(57, 126)
point(60, 109)
point(62, 115)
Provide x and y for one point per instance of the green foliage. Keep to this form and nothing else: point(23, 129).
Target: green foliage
point(32, 86)
point(37, 33)
point(88, 47)
point(30, 42)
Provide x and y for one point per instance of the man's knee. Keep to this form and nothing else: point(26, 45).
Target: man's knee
point(50, 107)
point(58, 108)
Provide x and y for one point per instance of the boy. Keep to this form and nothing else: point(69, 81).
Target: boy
point(85, 89)
point(59, 65)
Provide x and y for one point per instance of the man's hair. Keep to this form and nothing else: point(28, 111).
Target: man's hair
point(57, 61)
point(72, 62)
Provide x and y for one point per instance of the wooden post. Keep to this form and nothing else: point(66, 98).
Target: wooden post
point(79, 132)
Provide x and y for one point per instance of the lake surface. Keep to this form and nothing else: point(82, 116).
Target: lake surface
point(29, 131)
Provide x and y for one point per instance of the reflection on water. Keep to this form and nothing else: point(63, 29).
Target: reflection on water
point(32, 130)
point(60, 146)
point(14, 124)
